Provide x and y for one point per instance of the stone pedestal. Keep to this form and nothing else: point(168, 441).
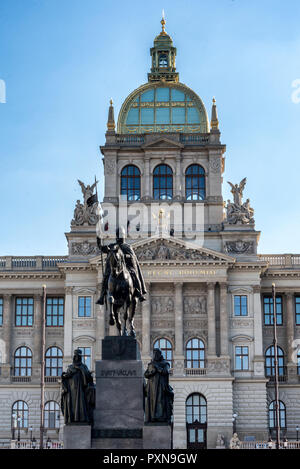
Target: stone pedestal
point(77, 436)
point(119, 412)
point(157, 436)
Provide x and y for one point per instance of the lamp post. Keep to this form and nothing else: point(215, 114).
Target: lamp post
point(234, 416)
point(19, 424)
point(276, 369)
point(33, 443)
point(270, 443)
point(297, 430)
point(48, 445)
point(14, 416)
point(30, 429)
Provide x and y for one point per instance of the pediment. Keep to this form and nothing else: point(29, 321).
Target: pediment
point(162, 143)
point(166, 250)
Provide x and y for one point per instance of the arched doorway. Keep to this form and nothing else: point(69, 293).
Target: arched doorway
point(196, 421)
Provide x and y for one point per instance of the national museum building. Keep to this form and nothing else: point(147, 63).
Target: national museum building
point(209, 304)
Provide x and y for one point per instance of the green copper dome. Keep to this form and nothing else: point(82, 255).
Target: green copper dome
point(163, 107)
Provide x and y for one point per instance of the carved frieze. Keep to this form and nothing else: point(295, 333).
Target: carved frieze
point(238, 323)
point(194, 304)
point(110, 166)
point(215, 164)
point(162, 305)
point(194, 324)
point(162, 324)
point(165, 251)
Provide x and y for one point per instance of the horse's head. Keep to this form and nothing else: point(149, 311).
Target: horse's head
point(116, 260)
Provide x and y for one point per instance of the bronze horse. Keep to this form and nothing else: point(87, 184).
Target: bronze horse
point(120, 292)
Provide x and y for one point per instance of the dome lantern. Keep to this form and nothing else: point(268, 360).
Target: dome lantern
point(163, 55)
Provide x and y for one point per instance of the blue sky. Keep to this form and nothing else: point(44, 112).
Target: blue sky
point(62, 60)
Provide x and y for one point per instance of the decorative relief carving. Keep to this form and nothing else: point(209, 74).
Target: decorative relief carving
point(237, 323)
point(218, 366)
point(162, 324)
point(194, 304)
point(239, 247)
point(215, 164)
point(163, 251)
point(84, 249)
point(162, 305)
point(200, 324)
point(110, 166)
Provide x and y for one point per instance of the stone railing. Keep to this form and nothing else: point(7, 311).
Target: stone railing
point(193, 371)
point(194, 139)
point(28, 444)
point(124, 139)
point(281, 260)
point(31, 263)
point(265, 445)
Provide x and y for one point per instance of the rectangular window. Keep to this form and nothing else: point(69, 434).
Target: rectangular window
point(24, 312)
point(1, 311)
point(297, 309)
point(84, 306)
point(55, 311)
point(240, 305)
point(268, 310)
point(86, 356)
point(241, 358)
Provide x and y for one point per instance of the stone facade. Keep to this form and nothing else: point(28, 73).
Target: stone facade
point(192, 277)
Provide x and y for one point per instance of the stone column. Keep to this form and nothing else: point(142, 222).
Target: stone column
point(7, 327)
point(146, 178)
point(290, 325)
point(224, 319)
point(146, 325)
point(178, 188)
point(68, 327)
point(211, 316)
point(258, 337)
point(37, 326)
point(178, 311)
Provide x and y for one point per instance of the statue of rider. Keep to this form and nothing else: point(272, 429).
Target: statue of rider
point(132, 265)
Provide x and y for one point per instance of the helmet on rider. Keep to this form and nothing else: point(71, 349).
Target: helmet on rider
point(120, 235)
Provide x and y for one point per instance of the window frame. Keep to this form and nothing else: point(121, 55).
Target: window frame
point(79, 297)
point(199, 177)
point(200, 350)
point(26, 301)
point(271, 358)
point(274, 416)
point(137, 181)
point(48, 412)
point(23, 412)
point(84, 355)
point(163, 179)
point(297, 313)
point(241, 355)
point(269, 313)
point(49, 358)
point(28, 359)
point(165, 350)
point(240, 295)
point(1, 310)
point(57, 315)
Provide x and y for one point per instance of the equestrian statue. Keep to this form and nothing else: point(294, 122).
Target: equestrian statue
point(123, 284)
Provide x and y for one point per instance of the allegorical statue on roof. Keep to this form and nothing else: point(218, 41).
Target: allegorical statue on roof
point(159, 394)
point(86, 212)
point(123, 283)
point(78, 392)
point(239, 212)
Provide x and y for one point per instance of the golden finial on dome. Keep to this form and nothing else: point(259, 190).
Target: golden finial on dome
point(111, 102)
point(163, 22)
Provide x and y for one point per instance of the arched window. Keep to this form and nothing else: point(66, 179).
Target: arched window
point(52, 415)
point(53, 362)
point(195, 354)
point(272, 415)
point(196, 421)
point(270, 362)
point(19, 415)
point(131, 183)
point(162, 182)
point(195, 182)
point(23, 362)
point(166, 348)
